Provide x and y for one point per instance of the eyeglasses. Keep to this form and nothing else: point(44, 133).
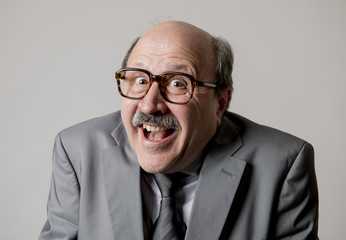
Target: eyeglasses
point(175, 87)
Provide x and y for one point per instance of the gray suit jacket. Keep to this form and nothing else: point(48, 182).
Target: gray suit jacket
point(255, 183)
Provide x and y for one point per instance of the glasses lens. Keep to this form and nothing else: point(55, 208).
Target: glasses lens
point(133, 84)
point(176, 88)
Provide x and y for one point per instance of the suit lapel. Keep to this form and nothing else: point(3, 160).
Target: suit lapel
point(121, 174)
point(218, 183)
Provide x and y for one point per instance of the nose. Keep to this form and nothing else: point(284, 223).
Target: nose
point(153, 102)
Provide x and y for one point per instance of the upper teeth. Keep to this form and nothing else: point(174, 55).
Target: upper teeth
point(153, 128)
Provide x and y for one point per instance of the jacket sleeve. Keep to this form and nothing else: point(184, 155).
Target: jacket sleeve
point(298, 203)
point(63, 201)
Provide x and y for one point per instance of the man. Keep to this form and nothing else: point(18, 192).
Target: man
point(233, 178)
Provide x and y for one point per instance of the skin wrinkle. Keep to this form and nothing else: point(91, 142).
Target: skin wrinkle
point(146, 62)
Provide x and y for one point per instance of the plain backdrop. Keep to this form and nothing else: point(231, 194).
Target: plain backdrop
point(57, 64)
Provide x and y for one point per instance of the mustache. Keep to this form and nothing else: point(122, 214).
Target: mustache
point(165, 120)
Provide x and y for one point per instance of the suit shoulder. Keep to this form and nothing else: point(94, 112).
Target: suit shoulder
point(93, 129)
point(264, 136)
point(267, 148)
point(103, 123)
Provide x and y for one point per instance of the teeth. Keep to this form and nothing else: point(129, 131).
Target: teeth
point(153, 128)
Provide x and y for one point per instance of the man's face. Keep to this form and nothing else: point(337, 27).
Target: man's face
point(164, 49)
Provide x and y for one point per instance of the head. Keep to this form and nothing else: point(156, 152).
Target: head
point(165, 136)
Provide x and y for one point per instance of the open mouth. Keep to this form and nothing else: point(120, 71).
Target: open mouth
point(156, 133)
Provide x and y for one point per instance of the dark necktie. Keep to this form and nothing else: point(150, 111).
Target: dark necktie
point(169, 225)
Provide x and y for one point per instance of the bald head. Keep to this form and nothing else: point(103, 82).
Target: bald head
point(170, 41)
point(188, 32)
point(213, 51)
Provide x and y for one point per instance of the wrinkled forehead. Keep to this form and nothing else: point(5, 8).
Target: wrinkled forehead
point(175, 41)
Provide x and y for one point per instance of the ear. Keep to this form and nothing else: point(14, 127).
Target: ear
point(224, 98)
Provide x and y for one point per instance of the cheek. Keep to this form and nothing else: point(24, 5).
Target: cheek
point(128, 109)
point(200, 121)
point(208, 112)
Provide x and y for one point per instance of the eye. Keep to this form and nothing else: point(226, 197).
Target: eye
point(141, 81)
point(177, 83)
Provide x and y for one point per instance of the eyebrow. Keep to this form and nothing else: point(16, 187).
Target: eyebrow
point(139, 65)
point(179, 67)
point(172, 67)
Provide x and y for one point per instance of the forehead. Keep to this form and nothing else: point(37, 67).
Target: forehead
point(172, 47)
point(179, 67)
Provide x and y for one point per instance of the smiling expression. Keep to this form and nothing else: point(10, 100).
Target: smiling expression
point(161, 147)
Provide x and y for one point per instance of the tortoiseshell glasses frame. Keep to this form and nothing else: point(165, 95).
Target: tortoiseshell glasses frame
point(175, 87)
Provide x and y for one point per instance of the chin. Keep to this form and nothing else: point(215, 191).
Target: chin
point(152, 164)
point(150, 168)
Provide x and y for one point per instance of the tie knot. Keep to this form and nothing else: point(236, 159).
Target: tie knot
point(165, 183)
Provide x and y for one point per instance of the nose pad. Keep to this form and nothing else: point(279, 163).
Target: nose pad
point(153, 102)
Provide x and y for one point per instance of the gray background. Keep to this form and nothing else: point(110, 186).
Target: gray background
point(57, 61)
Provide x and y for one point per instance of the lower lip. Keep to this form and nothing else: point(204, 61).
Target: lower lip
point(157, 143)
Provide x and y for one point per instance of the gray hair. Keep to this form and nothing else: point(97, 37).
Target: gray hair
point(128, 53)
point(224, 61)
